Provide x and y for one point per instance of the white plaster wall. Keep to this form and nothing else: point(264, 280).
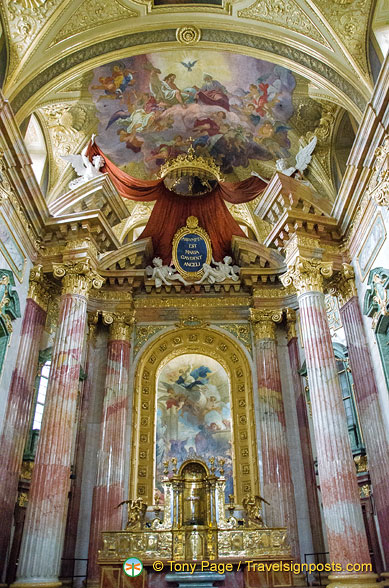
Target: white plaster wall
point(381, 260)
point(13, 345)
point(97, 376)
point(294, 446)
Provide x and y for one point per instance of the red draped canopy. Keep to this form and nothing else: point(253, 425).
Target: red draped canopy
point(171, 210)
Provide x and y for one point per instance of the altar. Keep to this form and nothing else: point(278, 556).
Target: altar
point(194, 532)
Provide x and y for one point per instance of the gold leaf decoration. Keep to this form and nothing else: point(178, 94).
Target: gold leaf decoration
point(286, 13)
point(91, 14)
point(349, 19)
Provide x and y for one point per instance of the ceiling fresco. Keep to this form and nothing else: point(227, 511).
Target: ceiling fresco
point(233, 107)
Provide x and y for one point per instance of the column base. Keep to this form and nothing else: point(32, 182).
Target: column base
point(352, 581)
point(384, 577)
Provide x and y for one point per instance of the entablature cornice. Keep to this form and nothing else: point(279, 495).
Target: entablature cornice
point(248, 253)
point(284, 192)
point(96, 194)
point(59, 231)
point(132, 255)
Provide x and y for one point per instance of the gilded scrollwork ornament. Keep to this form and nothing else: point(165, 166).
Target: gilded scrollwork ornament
point(291, 324)
point(93, 318)
point(38, 287)
point(120, 325)
point(77, 277)
point(343, 284)
point(307, 275)
point(264, 322)
point(379, 183)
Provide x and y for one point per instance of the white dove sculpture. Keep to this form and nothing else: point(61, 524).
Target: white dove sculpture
point(85, 169)
point(303, 159)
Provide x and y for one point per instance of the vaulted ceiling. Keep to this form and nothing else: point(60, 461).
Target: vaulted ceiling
point(54, 47)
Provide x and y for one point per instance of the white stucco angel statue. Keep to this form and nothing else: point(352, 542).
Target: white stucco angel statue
point(223, 271)
point(303, 159)
point(85, 169)
point(163, 274)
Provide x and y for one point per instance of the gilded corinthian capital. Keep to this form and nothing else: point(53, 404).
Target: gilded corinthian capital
point(120, 325)
point(264, 322)
point(38, 288)
point(343, 284)
point(307, 275)
point(78, 277)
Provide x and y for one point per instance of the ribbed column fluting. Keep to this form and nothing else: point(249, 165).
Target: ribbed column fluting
point(44, 527)
point(277, 479)
point(346, 534)
point(305, 439)
point(110, 483)
point(20, 398)
point(366, 395)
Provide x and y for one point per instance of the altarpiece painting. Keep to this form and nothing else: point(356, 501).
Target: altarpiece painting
point(193, 414)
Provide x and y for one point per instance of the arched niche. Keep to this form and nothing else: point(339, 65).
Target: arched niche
point(232, 358)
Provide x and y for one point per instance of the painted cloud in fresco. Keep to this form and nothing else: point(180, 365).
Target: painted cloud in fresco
point(193, 413)
point(234, 107)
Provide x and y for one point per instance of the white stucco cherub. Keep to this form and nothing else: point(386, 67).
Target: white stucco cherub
point(223, 271)
point(85, 168)
point(163, 274)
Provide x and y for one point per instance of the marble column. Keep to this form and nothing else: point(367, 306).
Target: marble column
point(108, 492)
point(20, 399)
point(366, 396)
point(76, 486)
point(277, 479)
point(346, 534)
point(41, 549)
point(305, 438)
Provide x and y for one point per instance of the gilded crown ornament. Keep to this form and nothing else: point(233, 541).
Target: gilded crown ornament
point(189, 174)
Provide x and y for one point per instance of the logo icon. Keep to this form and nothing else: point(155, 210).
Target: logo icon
point(132, 567)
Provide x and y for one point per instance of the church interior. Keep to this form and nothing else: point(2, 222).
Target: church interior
point(194, 293)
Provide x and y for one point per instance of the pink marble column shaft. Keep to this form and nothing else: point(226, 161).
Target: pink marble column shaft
point(340, 493)
point(44, 528)
point(17, 417)
point(91, 369)
point(306, 449)
point(110, 483)
point(277, 480)
point(369, 409)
